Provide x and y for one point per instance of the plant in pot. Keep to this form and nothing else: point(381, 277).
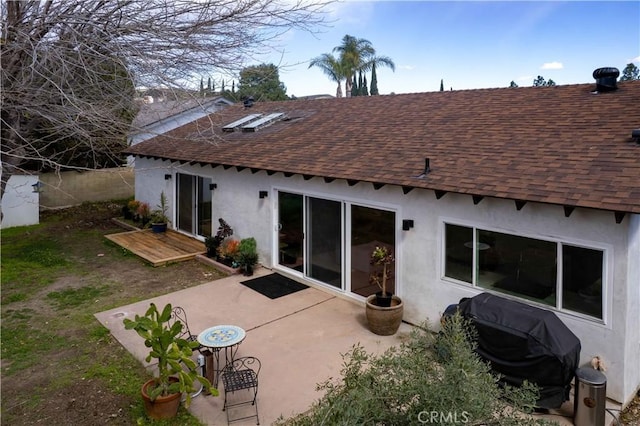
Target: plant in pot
point(247, 256)
point(159, 218)
point(213, 242)
point(383, 310)
point(177, 371)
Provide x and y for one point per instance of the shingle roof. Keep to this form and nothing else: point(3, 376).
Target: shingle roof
point(561, 145)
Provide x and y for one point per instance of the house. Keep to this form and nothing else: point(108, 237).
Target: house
point(156, 118)
point(532, 193)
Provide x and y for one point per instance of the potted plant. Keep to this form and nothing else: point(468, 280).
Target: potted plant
point(177, 372)
point(159, 218)
point(247, 256)
point(383, 310)
point(213, 242)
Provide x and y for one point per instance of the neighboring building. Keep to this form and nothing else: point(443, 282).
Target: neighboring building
point(20, 204)
point(532, 193)
point(158, 117)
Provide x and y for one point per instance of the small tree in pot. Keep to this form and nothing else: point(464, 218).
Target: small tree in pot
point(383, 310)
point(247, 256)
point(381, 260)
point(177, 371)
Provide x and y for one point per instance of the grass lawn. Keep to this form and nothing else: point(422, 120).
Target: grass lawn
point(59, 365)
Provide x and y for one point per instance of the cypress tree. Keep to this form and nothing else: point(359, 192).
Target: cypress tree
point(201, 85)
point(364, 89)
point(374, 82)
point(209, 85)
point(222, 89)
point(354, 86)
point(442, 85)
point(233, 87)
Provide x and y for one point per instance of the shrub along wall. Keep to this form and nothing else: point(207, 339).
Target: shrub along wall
point(73, 188)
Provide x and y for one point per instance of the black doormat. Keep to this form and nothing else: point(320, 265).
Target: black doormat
point(274, 285)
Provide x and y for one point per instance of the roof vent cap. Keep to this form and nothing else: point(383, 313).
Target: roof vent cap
point(606, 79)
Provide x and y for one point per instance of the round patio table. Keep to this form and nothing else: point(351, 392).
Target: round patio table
point(217, 338)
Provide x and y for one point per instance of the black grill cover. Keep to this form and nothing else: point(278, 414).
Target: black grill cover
point(522, 342)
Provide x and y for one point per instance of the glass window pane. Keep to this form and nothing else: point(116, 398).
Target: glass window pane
point(370, 228)
point(520, 266)
point(324, 243)
point(582, 280)
point(204, 207)
point(291, 233)
point(185, 202)
point(458, 252)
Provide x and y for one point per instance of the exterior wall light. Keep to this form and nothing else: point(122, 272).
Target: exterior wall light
point(263, 194)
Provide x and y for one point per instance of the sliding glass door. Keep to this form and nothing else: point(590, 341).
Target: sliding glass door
point(194, 204)
point(321, 239)
point(324, 244)
point(370, 228)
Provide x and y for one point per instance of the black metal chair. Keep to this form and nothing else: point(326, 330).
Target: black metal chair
point(241, 374)
point(179, 314)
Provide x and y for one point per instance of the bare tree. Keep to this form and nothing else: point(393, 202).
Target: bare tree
point(69, 67)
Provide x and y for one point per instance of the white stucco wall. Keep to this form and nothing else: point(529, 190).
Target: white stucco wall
point(419, 250)
point(20, 205)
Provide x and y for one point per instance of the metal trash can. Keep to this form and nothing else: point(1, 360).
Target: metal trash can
point(590, 396)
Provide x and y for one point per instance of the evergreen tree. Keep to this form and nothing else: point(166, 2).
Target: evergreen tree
point(630, 72)
point(222, 88)
point(374, 81)
point(364, 89)
point(201, 85)
point(539, 81)
point(209, 85)
point(441, 85)
point(513, 84)
point(262, 82)
point(233, 87)
point(355, 90)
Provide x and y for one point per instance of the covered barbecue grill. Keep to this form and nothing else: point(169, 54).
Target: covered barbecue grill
point(522, 342)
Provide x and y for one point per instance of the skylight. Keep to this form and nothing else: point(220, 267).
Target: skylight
point(233, 126)
point(263, 122)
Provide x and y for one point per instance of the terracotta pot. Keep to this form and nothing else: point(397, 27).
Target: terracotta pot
point(163, 407)
point(382, 320)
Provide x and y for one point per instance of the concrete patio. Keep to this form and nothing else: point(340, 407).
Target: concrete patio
point(299, 338)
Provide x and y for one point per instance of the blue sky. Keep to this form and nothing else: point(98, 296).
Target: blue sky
point(469, 44)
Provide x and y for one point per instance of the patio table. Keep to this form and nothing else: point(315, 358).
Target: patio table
point(215, 339)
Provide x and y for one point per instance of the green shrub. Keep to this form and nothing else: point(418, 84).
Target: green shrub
point(430, 379)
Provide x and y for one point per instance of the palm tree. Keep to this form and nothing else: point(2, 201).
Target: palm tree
point(354, 55)
point(332, 67)
point(353, 52)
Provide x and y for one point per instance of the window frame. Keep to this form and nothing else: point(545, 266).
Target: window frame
point(560, 242)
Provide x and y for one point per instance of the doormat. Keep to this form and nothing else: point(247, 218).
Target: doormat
point(274, 285)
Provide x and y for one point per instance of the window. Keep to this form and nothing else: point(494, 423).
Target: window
point(529, 268)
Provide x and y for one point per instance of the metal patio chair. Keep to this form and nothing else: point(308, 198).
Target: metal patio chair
point(241, 376)
point(179, 314)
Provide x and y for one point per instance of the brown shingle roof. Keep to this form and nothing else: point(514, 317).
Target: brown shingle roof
point(561, 145)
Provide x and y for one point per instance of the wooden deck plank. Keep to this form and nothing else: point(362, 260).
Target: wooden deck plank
point(159, 248)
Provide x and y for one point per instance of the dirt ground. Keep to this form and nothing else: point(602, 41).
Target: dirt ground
point(56, 389)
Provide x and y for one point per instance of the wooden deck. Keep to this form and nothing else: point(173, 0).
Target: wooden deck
point(159, 248)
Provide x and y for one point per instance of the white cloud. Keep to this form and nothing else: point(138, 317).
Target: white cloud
point(406, 67)
point(552, 66)
point(636, 59)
